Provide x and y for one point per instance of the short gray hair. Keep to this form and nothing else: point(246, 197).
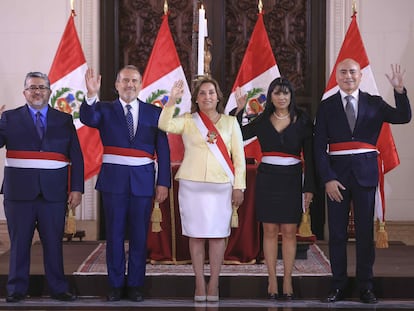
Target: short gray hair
point(128, 67)
point(37, 74)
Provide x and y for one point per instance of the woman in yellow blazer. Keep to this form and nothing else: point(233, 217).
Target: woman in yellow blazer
point(212, 176)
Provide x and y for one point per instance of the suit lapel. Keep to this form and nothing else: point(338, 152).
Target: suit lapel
point(119, 112)
point(28, 122)
point(341, 110)
point(362, 109)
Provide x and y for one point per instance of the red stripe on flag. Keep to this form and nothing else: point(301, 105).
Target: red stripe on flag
point(92, 148)
point(387, 148)
point(258, 56)
point(69, 55)
point(352, 47)
point(164, 57)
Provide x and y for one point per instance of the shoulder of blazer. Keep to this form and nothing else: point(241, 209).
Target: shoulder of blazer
point(21, 109)
point(333, 98)
point(149, 106)
point(364, 96)
point(149, 110)
point(54, 113)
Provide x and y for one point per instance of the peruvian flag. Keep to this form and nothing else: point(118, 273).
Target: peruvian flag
point(353, 47)
point(163, 69)
point(257, 70)
point(67, 78)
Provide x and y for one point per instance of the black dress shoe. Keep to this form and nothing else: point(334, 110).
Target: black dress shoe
point(273, 296)
point(66, 296)
point(334, 295)
point(114, 294)
point(367, 296)
point(15, 298)
point(134, 294)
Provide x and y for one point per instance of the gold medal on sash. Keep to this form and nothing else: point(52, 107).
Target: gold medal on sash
point(211, 137)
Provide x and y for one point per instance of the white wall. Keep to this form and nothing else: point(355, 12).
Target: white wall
point(30, 31)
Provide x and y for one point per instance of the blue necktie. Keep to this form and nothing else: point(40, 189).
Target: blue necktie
point(130, 122)
point(350, 112)
point(39, 125)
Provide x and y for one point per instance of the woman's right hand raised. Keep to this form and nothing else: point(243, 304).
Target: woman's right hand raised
point(241, 99)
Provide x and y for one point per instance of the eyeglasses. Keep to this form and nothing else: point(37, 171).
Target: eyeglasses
point(34, 88)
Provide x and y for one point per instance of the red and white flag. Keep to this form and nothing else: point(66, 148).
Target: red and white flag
point(353, 47)
point(163, 69)
point(257, 70)
point(67, 78)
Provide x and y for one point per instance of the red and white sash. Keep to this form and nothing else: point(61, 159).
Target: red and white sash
point(126, 156)
point(35, 159)
point(280, 158)
point(214, 142)
point(352, 147)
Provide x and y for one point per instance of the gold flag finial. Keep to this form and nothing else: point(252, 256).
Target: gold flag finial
point(354, 10)
point(260, 6)
point(165, 7)
point(72, 7)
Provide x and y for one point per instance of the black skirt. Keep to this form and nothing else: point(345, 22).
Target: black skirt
point(279, 193)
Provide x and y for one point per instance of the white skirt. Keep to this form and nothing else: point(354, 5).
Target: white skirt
point(205, 209)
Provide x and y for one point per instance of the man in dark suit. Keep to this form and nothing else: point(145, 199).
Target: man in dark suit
point(43, 152)
point(346, 157)
point(128, 178)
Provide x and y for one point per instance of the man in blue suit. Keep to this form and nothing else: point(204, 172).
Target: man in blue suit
point(128, 178)
point(43, 175)
point(346, 132)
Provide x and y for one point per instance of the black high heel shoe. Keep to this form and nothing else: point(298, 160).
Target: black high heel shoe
point(288, 297)
point(273, 296)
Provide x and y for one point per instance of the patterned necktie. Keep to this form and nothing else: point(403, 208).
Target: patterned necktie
point(39, 125)
point(130, 122)
point(350, 112)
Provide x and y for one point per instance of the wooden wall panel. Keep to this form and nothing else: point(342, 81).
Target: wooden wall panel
point(296, 30)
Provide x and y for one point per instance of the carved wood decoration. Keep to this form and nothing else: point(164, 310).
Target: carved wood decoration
point(296, 30)
point(139, 23)
point(288, 24)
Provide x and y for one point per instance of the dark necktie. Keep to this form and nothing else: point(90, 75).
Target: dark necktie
point(39, 125)
point(130, 122)
point(350, 112)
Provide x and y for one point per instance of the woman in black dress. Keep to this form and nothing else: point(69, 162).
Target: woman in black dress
point(285, 176)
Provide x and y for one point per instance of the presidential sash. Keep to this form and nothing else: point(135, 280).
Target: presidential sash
point(214, 142)
point(351, 147)
point(126, 156)
point(280, 158)
point(35, 159)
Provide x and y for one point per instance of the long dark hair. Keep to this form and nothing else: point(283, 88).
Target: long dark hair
point(282, 85)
